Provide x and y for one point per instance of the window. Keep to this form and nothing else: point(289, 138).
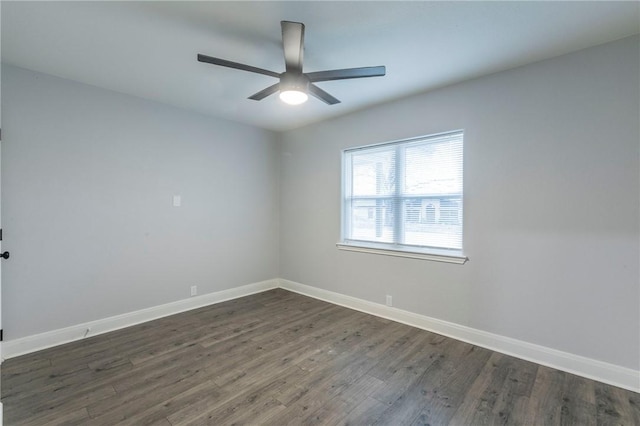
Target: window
point(405, 198)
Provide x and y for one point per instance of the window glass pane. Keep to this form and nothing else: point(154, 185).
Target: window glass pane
point(374, 172)
point(373, 220)
point(433, 222)
point(433, 168)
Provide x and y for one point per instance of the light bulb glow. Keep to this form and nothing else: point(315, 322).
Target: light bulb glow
point(293, 97)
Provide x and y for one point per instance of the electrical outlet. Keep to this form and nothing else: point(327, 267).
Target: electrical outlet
point(194, 290)
point(389, 300)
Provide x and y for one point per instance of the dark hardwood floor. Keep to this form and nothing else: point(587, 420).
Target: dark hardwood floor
point(278, 358)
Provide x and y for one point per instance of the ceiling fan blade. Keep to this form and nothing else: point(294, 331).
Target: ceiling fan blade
point(346, 73)
point(236, 65)
point(265, 92)
point(322, 95)
point(293, 44)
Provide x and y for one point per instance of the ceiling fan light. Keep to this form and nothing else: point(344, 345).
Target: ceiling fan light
point(293, 97)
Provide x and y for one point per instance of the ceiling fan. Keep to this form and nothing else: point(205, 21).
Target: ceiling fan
point(294, 85)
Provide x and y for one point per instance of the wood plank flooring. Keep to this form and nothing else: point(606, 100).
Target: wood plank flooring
point(279, 358)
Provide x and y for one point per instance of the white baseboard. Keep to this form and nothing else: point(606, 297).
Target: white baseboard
point(586, 367)
point(36, 342)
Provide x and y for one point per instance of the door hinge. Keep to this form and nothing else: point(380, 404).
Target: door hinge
point(1, 336)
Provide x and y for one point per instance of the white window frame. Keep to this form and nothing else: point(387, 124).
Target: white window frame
point(395, 249)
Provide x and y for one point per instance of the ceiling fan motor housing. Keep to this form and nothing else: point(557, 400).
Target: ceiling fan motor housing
point(294, 81)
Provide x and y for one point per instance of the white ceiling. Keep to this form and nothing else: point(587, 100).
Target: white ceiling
point(148, 49)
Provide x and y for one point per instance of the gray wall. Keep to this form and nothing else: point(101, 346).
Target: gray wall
point(88, 177)
point(551, 205)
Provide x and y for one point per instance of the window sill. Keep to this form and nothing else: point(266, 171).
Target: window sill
point(458, 259)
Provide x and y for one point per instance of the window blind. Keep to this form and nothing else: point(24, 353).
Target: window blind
point(405, 194)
